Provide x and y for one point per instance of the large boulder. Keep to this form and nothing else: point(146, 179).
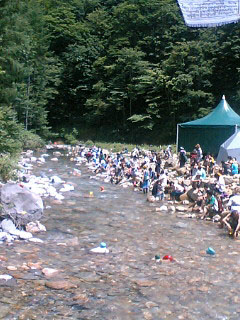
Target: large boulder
point(20, 204)
point(181, 171)
point(169, 164)
point(228, 180)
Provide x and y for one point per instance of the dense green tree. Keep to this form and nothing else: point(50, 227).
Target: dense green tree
point(30, 72)
point(130, 66)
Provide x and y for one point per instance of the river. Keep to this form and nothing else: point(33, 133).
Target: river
point(127, 283)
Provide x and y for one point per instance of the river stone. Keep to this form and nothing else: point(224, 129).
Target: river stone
point(35, 227)
point(203, 289)
point(2, 258)
point(172, 208)
point(181, 209)
point(11, 268)
point(56, 202)
point(79, 209)
point(147, 315)
point(36, 240)
point(72, 242)
point(81, 297)
point(181, 171)
point(60, 285)
point(49, 272)
point(71, 203)
point(66, 210)
point(8, 283)
point(145, 283)
point(151, 304)
point(151, 199)
point(34, 265)
point(228, 180)
point(169, 164)
point(5, 310)
point(8, 226)
point(3, 236)
point(5, 277)
point(181, 225)
point(25, 235)
point(163, 208)
point(89, 277)
point(187, 182)
point(20, 204)
point(57, 153)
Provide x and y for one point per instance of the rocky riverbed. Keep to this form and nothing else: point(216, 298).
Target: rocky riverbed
point(61, 279)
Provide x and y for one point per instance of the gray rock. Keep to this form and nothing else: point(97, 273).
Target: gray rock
point(228, 180)
point(172, 208)
point(3, 236)
point(5, 310)
point(8, 226)
point(164, 208)
point(19, 203)
point(8, 283)
point(36, 240)
point(181, 225)
point(25, 235)
point(181, 209)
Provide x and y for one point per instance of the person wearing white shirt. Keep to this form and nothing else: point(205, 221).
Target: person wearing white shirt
point(220, 183)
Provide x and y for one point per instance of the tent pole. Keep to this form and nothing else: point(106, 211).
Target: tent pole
point(177, 139)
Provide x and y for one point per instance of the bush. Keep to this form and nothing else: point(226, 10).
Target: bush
point(89, 143)
point(69, 137)
point(8, 167)
point(31, 141)
point(10, 132)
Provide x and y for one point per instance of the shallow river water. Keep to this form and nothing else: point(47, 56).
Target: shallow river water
point(127, 283)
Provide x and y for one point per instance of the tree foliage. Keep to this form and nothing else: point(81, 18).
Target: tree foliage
point(130, 67)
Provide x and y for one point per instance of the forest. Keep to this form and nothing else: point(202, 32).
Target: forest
point(113, 70)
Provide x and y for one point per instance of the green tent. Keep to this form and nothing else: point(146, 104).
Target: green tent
point(210, 131)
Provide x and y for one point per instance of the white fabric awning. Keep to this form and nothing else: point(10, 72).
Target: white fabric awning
point(209, 13)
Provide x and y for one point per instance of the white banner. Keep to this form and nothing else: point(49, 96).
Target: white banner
point(209, 13)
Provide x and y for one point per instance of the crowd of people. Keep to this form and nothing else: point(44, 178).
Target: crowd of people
point(192, 179)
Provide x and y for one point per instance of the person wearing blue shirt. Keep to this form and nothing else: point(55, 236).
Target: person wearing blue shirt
point(146, 181)
point(200, 173)
point(234, 167)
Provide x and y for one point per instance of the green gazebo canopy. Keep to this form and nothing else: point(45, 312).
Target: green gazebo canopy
point(210, 131)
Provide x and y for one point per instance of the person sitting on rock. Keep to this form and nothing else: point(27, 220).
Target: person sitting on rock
point(226, 167)
point(196, 196)
point(209, 163)
point(194, 168)
point(211, 205)
point(232, 221)
point(220, 183)
point(200, 174)
point(177, 191)
point(158, 190)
